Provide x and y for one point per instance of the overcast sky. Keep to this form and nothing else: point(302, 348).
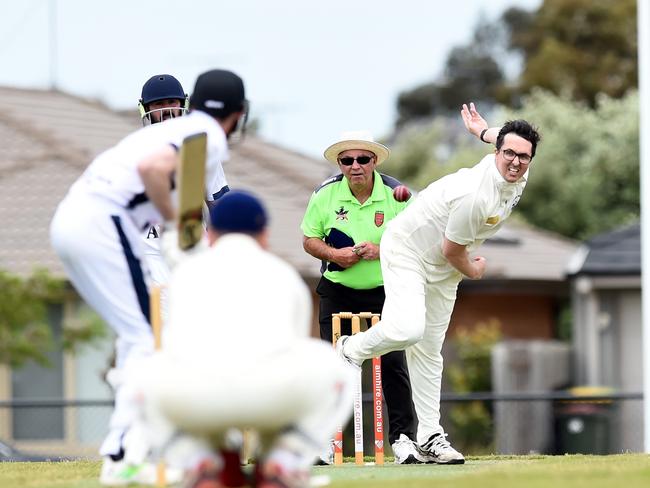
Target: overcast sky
point(311, 69)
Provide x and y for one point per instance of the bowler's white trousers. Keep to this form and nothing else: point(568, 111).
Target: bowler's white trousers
point(101, 251)
point(295, 396)
point(419, 301)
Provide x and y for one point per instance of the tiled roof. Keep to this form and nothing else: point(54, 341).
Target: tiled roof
point(521, 252)
point(612, 253)
point(48, 138)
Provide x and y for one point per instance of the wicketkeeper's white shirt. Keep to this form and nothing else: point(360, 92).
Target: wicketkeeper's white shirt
point(235, 303)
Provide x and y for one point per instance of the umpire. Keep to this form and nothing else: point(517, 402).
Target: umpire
point(342, 227)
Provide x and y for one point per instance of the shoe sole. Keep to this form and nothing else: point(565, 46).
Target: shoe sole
point(429, 460)
point(411, 459)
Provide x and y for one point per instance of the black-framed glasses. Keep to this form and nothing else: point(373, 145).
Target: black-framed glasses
point(349, 160)
point(509, 155)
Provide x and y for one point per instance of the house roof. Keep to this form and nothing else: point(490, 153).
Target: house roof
point(521, 252)
point(612, 253)
point(51, 136)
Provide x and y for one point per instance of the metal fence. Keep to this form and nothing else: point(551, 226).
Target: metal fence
point(477, 423)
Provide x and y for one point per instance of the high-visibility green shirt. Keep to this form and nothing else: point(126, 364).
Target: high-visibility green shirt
point(332, 205)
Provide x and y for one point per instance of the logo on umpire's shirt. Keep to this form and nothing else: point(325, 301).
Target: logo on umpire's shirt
point(379, 218)
point(341, 214)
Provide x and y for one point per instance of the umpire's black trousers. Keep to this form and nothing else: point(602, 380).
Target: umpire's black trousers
point(335, 298)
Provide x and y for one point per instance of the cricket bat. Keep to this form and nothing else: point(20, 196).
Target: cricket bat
point(191, 190)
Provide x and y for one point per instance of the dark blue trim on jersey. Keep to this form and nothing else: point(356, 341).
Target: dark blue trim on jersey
point(329, 181)
point(135, 269)
point(390, 181)
point(142, 197)
point(220, 193)
point(139, 198)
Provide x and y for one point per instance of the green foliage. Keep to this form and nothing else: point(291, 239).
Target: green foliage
point(24, 330)
point(471, 72)
point(585, 177)
point(423, 153)
point(473, 348)
point(472, 421)
point(579, 47)
point(86, 328)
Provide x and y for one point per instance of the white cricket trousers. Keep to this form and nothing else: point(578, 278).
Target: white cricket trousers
point(101, 252)
point(294, 397)
point(415, 318)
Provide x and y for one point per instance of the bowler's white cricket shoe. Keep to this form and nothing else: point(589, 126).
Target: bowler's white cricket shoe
point(405, 451)
point(438, 450)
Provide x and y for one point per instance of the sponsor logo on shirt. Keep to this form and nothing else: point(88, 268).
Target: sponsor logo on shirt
point(153, 233)
point(379, 218)
point(515, 201)
point(341, 214)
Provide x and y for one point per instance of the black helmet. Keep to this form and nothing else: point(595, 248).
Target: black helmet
point(219, 93)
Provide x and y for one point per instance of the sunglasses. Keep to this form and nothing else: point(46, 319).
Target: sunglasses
point(349, 161)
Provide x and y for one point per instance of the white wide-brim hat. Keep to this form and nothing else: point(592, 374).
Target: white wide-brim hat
point(360, 139)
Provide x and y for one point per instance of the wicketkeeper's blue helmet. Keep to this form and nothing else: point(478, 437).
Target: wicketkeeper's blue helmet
point(161, 87)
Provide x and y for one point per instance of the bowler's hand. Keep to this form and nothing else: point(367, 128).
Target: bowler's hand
point(473, 120)
point(344, 257)
point(367, 250)
point(479, 264)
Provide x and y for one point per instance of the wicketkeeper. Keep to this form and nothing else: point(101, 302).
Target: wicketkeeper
point(237, 354)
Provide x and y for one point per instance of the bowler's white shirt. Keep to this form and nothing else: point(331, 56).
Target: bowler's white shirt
point(467, 207)
point(235, 302)
point(113, 175)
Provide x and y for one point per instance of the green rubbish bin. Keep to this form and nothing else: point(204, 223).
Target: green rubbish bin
point(584, 426)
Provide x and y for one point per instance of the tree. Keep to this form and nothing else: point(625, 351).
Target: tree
point(471, 72)
point(422, 153)
point(578, 47)
point(24, 330)
point(584, 179)
point(472, 421)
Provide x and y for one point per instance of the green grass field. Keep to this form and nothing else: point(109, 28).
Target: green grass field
point(625, 470)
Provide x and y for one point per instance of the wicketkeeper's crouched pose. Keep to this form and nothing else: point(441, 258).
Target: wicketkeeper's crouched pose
point(236, 353)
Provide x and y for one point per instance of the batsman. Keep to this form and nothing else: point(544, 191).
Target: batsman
point(96, 233)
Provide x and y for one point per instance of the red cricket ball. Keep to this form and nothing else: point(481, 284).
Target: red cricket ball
point(401, 193)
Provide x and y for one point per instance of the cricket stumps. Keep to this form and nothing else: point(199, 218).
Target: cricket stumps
point(377, 395)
